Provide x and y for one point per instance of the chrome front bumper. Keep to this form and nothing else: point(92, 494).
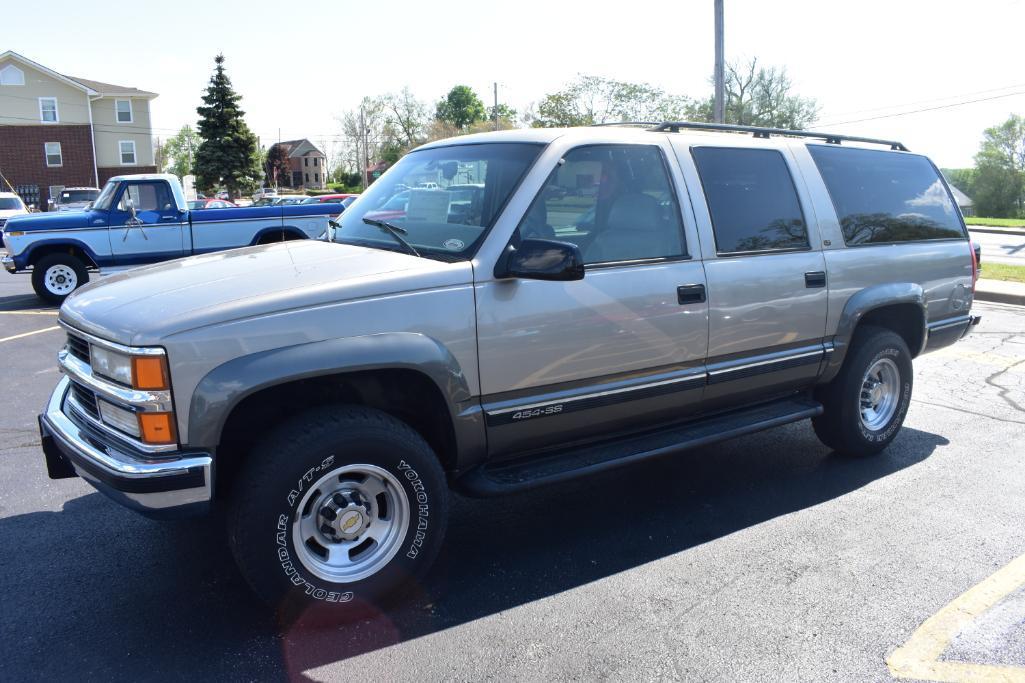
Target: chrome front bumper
point(169, 485)
point(8, 263)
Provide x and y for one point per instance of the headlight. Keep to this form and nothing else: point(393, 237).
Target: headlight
point(138, 372)
point(111, 364)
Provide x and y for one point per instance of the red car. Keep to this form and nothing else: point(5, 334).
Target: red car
point(343, 199)
point(211, 203)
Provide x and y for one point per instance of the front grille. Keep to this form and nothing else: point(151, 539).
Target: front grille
point(85, 399)
point(78, 347)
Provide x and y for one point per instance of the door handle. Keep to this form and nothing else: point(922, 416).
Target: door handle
point(168, 218)
point(690, 294)
point(815, 278)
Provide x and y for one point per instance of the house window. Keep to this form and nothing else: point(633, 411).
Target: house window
point(123, 108)
point(48, 110)
point(127, 150)
point(315, 161)
point(306, 161)
point(316, 176)
point(12, 75)
point(307, 177)
point(53, 154)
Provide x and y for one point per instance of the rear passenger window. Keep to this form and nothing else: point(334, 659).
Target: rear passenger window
point(751, 199)
point(613, 201)
point(883, 197)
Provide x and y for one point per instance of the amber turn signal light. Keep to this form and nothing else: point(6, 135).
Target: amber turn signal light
point(149, 372)
point(157, 428)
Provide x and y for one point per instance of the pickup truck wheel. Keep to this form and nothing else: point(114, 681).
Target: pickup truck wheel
point(56, 276)
point(341, 507)
point(866, 403)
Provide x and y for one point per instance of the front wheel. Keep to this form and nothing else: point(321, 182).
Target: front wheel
point(344, 506)
point(55, 276)
point(867, 401)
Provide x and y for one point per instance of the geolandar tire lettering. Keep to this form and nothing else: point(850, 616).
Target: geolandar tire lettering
point(866, 403)
point(342, 506)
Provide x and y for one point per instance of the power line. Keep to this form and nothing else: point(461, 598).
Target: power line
point(919, 111)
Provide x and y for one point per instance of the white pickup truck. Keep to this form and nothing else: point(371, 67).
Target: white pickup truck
point(140, 219)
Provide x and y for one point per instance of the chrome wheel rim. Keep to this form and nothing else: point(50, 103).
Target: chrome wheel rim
point(350, 523)
point(880, 391)
point(60, 279)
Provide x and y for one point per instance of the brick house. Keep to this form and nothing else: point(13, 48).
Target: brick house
point(61, 131)
point(306, 163)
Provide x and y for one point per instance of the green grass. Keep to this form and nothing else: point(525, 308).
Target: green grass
point(997, 222)
point(1000, 271)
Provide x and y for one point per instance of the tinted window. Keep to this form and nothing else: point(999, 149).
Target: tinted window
point(751, 199)
point(882, 196)
point(613, 201)
point(9, 203)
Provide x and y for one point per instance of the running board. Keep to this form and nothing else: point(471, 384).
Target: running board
point(519, 475)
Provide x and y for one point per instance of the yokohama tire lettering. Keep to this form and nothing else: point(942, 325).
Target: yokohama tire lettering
point(423, 508)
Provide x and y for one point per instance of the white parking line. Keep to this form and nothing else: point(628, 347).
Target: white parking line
point(29, 312)
point(29, 334)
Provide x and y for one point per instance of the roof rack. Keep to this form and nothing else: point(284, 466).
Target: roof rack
point(758, 132)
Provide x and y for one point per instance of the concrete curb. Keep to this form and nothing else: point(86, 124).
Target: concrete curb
point(1000, 292)
point(994, 230)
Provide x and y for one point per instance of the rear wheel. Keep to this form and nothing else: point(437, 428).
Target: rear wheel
point(343, 507)
point(55, 276)
point(867, 401)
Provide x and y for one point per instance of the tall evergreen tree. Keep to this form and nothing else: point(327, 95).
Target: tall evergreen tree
point(228, 154)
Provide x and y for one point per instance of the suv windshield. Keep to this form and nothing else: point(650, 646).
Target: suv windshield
point(9, 203)
point(71, 196)
point(445, 198)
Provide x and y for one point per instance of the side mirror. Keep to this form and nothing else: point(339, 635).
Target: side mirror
point(536, 259)
point(130, 205)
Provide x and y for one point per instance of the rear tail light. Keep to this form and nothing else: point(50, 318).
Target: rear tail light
point(975, 265)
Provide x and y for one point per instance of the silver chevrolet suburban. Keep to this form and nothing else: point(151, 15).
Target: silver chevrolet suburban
point(502, 311)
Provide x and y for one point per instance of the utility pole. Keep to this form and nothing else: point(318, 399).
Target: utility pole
point(366, 154)
point(495, 110)
point(720, 71)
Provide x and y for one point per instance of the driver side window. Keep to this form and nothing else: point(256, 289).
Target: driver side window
point(146, 197)
point(615, 202)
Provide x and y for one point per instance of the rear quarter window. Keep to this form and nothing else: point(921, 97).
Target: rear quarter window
point(884, 197)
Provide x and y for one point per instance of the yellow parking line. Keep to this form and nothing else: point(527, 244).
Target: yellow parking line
point(29, 334)
point(920, 656)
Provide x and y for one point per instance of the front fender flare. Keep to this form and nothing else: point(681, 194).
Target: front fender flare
point(858, 305)
point(227, 385)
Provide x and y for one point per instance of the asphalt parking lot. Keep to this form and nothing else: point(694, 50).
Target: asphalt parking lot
point(764, 558)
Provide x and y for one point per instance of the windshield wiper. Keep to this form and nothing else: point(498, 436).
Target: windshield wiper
point(396, 232)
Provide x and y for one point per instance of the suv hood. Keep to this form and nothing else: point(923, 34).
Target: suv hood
point(146, 305)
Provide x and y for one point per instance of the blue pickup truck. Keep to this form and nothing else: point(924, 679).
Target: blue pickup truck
point(140, 219)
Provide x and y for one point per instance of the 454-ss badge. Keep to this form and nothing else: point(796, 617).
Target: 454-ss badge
point(528, 413)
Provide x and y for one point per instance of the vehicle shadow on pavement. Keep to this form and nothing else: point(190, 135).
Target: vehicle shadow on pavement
point(129, 597)
point(22, 302)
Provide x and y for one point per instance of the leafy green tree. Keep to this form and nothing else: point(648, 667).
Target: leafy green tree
point(999, 187)
point(179, 150)
point(461, 107)
point(504, 112)
point(228, 153)
point(760, 96)
point(592, 99)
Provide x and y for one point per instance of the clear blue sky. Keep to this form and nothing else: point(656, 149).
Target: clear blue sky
point(300, 65)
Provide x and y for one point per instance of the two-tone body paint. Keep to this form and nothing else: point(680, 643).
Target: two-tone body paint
point(109, 238)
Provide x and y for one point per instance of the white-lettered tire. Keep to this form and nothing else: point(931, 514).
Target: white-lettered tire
point(343, 507)
point(867, 401)
point(55, 276)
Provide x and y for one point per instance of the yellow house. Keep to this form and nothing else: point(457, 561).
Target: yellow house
point(60, 131)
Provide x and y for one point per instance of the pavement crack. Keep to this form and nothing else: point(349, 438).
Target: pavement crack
point(1002, 391)
point(968, 412)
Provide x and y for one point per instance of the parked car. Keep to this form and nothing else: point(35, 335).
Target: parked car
point(139, 219)
point(343, 199)
point(264, 193)
point(266, 201)
point(289, 199)
point(74, 198)
point(223, 194)
point(328, 394)
point(11, 205)
point(211, 204)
